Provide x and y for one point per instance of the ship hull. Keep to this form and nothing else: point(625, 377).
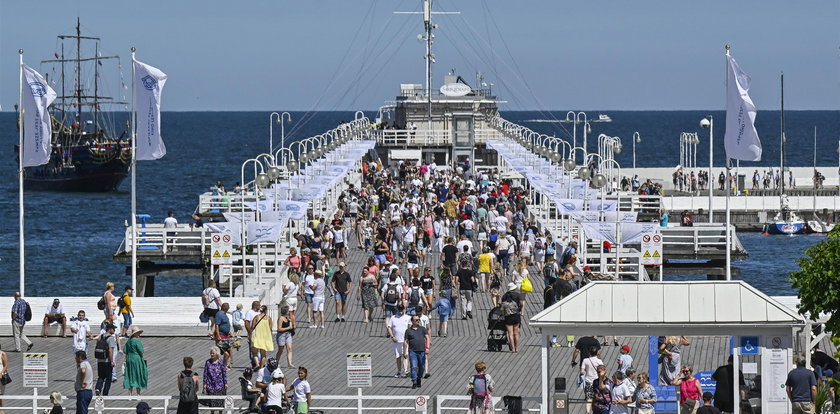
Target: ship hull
point(98, 171)
point(785, 228)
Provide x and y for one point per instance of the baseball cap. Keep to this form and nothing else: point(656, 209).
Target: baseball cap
point(143, 408)
point(625, 348)
point(342, 264)
point(587, 268)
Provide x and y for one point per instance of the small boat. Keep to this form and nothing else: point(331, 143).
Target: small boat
point(817, 225)
point(603, 118)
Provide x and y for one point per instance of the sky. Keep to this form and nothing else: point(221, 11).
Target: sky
point(537, 54)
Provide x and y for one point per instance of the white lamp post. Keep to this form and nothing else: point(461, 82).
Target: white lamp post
point(709, 122)
point(636, 139)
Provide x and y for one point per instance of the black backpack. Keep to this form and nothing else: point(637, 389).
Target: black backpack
point(121, 302)
point(101, 304)
point(27, 314)
point(101, 350)
point(188, 393)
point(414, 298)
point(391, 295)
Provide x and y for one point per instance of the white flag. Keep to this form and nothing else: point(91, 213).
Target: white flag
point(148, 84)
point(741, 139)
point(37, 131)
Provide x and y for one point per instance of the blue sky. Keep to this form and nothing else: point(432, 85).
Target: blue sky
point(539, 54)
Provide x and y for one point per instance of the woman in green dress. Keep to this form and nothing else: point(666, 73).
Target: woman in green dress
point(136, 373)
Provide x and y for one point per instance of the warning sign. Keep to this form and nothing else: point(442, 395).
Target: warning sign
point(420, 403)
point(651, 252)
point(359, 371)
point(35, 370)
point(221, 247)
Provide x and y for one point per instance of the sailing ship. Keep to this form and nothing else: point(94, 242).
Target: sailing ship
point(786, 220)
point(87, 156)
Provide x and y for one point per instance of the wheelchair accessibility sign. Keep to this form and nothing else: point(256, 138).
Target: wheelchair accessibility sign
point(749, 345)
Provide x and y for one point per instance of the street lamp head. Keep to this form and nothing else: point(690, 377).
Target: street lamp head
point(638, 139)
point(588, 128)
point(273, 172)
point(262, 180)
point(617, 147)
point(555, 156)
point(569, 164)
point(599, 180)
point(304, 158)
point(583, 173)
point(292, 166)
point(705, 123)
point(313, 155)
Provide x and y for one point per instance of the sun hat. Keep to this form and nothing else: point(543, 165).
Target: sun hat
point(511, 286)
point(134, 331)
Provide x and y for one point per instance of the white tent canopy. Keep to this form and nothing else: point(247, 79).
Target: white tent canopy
point(702, 308)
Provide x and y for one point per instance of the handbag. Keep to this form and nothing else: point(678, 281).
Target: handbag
point(5, 379)
point(526, 285)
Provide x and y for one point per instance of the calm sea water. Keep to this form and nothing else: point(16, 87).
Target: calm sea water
point(70, 237)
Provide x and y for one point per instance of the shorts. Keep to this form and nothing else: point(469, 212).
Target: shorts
point(291, 303)
point(301, 407)
point(380, 258)
point(411, 265)
point(588, 390)
point(339, 246)
point(127, 319)
point(341, 296)
point(318, 303)
point(398, 349)
point(308, 297)
point(283, 338)
point(390, 310)
point(513, 320)
point(444, 318)
point(51, 319)
point(327, 252)
point(210, 313)
point(428, 292)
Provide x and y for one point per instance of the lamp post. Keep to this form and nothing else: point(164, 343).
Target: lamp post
point(709, 122)
point(636, 139)
point(243, 223)
point(280, 117)
point(575, 119)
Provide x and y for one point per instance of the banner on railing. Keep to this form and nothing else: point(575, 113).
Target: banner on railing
point(568, 205)
point(230, 227)
point(630, 232)
point(237, 217)
point(264, 232)
point(297, 208)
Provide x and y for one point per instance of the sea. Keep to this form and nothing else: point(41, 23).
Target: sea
point(72, 237)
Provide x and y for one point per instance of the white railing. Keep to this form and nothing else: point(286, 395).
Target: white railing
point(223, 203)
point(698, 236)
point(158, 403)
point(420, 137)
point(409, 403)
point(535, 405)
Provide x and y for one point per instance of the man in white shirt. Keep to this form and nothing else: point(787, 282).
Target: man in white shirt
point(621, 395)
point(81, 332)
point(464, 242)
point(55, 313)
point(170, 222)
point(396, 326)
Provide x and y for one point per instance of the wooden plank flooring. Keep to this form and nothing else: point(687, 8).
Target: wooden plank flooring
point(323, 351)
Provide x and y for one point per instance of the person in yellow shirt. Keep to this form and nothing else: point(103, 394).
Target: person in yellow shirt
point(127, 312)
point(486, 263)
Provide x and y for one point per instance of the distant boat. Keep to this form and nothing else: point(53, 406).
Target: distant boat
point(786, 220)
point(87, 155)
point(602, 118)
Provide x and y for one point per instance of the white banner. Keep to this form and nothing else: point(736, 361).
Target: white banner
point(272, 215)
point(568, 205)
point(607, 205)
point(234, 229)
point(599, 230)
point(264, 205)
point(296, 208)
point(148, 84)
point(37, 131)
point(632, 232)
point(264, 232)
point(741, 139)
point(237, 217)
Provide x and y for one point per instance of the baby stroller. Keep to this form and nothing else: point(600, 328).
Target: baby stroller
point(497, 335)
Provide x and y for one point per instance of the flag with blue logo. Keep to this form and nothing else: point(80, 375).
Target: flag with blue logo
point(741, 139)
point(148, 84)
point(37, 131)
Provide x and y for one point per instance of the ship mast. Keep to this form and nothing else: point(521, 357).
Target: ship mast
point(427, 24)
point(78, 86)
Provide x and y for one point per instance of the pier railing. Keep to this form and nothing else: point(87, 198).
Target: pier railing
point(529, 404)
point(421, 137)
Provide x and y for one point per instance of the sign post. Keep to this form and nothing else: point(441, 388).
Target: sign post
point(651, 252)
point(359, 374)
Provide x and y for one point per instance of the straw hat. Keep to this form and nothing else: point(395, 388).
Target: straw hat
point(134, 331)
point(511, 286)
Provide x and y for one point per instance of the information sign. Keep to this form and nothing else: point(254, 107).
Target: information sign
point(651, 252)
point(359, 371)
point(221, 246)
point(35, 370)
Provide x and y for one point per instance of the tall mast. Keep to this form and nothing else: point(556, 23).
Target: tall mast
point(782, 136)
point(427, 24)
point(79, 74)
point(96, 90)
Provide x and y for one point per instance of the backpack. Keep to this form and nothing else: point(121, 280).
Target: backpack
point(550, 249)
point(121, 302)
point(101, 304)
point(101, 351)
point(509, 308)
point(479, 385)
point(414, 298)
point(391, 295)
point(205, 299)
point(27, 314)
point(465, 261)
point(187, 384)
point(539, 244)
point(567, 257)
point(549, 272)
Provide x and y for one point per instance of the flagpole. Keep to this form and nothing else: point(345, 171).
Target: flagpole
point(728, 190)
point(133, 177)
point(20, 177)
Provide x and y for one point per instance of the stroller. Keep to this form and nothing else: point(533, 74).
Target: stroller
point(497, 335)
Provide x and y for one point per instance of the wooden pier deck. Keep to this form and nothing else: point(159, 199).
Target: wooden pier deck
point(323, 352)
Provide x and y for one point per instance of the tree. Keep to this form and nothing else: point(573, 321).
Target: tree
point(818, 280)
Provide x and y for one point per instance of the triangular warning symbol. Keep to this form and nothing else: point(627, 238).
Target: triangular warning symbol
point(656, 254)
point(647, 254)
point(216, 254)
point(226, 254)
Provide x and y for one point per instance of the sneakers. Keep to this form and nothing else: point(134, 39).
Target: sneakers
point(322, 327)
point(397, 375)
point(427, 375)
point(312, 326)
point(29, 347)
point(413, 386)
point(406, 374)
point(337, 319)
